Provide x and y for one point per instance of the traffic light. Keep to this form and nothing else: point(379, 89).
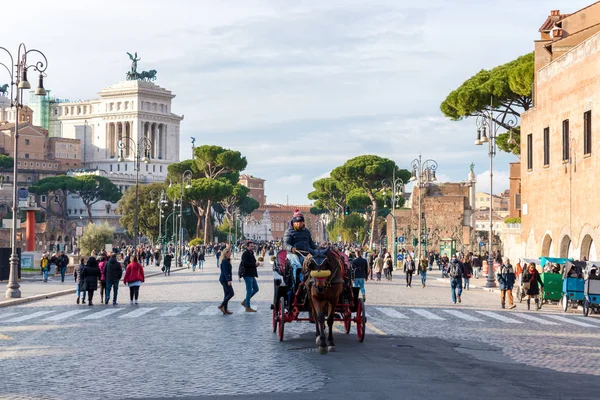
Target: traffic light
point(415, 241)
point(347, 210)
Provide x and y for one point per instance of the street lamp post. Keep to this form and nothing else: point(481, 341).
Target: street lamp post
point(141, 152)
point(423, 172)
point(486, 122)
point(186, 182)
point(162, 200)
point(18, 82)
point(397, 187)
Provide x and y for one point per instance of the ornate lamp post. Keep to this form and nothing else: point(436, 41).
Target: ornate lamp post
point(162, 200)
point(397, 187)
point(423, 172)
point(487, 132)
point(186, 182)
point(18, 83)
point(141, 152)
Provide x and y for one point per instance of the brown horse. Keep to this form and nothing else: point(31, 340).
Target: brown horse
point(325, 284)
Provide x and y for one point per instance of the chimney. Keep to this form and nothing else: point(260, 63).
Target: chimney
point(555, 13)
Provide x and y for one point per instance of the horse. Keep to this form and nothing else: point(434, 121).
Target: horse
point(324, 286)
point(4, 89)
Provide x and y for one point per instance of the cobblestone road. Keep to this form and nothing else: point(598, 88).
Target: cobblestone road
point(176, 343)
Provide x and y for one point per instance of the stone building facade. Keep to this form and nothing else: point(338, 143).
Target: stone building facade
point(560, 164)
point(448, 211)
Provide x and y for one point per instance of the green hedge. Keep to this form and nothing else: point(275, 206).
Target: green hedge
point(512, 220)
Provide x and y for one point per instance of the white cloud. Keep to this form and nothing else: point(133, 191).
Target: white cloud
point(289, 180)
point(501, 181)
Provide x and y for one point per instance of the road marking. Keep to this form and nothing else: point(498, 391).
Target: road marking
point(536, 319)
point(499, 317)
point(137, 313)
point(29, 316)
point(103, 313)
point(570, 321)
point(376, 330)
point(174, 312)
point(8, 314)
point(212, 310)
point(65, 315)
point(590, 319)
point(427, 314)
point(390, 312)
point(462, 315)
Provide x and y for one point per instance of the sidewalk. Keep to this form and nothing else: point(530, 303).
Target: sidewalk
point(33, 289)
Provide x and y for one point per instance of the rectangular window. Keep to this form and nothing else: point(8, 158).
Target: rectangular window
point(546, 146)
point(565, 140)
point(587, 132)
point(530, 151)
point(517, 201)
point(43, 198)
point(26, 141)
point(26, 155)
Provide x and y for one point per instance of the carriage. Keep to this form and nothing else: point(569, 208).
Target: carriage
point(290, 300)
point(573, 284)
point(591, 291)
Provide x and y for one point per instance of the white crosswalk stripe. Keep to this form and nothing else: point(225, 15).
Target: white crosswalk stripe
point(427, 314)
point(103, 313)
point(499, 317)
point(462, 315)
point(29, 316)
point(65, 315)
point(591, 320)
point(174, 312)
point(137, 313)
point(535, 319)
point(390, 312)
point(212, 310)
point(571, 321)
point(7, 314)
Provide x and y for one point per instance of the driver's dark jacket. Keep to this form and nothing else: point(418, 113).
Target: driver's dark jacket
point(301, 240)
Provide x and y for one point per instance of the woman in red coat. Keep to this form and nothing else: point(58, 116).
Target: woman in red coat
point(134, 277)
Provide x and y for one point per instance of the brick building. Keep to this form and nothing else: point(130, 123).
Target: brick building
point(448, 211)
point(560, 166)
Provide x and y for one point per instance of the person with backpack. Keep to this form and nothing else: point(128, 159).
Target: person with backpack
point(78, 281)
point(90, 276)
point(249, 273)
point(389, 266)
point(423, 266)
point(506, 280)
point(409, 269)
point(456, 272)
point(167, 263)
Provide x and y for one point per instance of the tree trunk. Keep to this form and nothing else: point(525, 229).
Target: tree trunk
point(206, 220)
point(373, 221)
point(88, 207)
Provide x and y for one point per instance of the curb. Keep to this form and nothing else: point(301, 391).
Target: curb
point(23, 300)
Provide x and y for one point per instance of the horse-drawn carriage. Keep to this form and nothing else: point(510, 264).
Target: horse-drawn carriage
point(327, 282)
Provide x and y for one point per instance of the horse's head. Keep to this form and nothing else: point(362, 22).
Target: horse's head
point(320, 279)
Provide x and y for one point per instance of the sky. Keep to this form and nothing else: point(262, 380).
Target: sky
point(298, 87)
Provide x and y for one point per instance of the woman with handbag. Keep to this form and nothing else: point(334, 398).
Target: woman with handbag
point(532, 276)
point(226, 279)
point(134, 277)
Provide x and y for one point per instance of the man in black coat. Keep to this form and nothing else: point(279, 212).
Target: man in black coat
point(249, 273)
point(298, 237)
point(360, 267)
point(113, 272)
point(168, 260)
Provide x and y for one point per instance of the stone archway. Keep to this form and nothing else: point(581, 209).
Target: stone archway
point(565, 244)
point(546, 243)
point(586, 245)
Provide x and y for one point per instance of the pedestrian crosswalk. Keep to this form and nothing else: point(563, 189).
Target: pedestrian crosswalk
point(383, 315)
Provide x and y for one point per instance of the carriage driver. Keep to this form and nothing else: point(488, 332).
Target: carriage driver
point(297, 237)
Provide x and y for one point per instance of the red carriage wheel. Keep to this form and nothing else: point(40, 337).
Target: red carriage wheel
point(281, 315)
point(361, 320)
